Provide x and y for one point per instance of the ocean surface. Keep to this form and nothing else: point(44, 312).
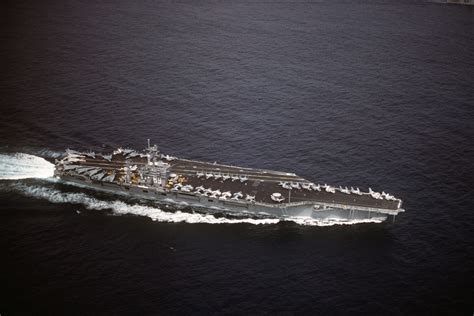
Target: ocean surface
point(360, 93)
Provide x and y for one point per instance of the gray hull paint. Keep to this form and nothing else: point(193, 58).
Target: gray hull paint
point(307, 210)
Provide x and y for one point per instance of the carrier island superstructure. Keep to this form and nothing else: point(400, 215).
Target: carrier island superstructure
point(212, 186)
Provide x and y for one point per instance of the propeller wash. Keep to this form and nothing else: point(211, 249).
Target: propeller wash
point(23, 166)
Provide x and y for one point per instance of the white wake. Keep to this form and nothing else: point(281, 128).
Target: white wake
point(120, 208)
point(23, 166)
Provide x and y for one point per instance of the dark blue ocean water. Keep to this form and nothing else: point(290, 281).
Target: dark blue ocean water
point(361, 93)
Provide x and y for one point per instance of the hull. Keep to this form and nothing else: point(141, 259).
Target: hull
point(291, 210)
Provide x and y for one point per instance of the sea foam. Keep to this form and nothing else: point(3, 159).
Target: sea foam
point(23, 166)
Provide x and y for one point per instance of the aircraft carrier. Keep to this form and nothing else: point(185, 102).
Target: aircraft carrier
point(212, 186)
